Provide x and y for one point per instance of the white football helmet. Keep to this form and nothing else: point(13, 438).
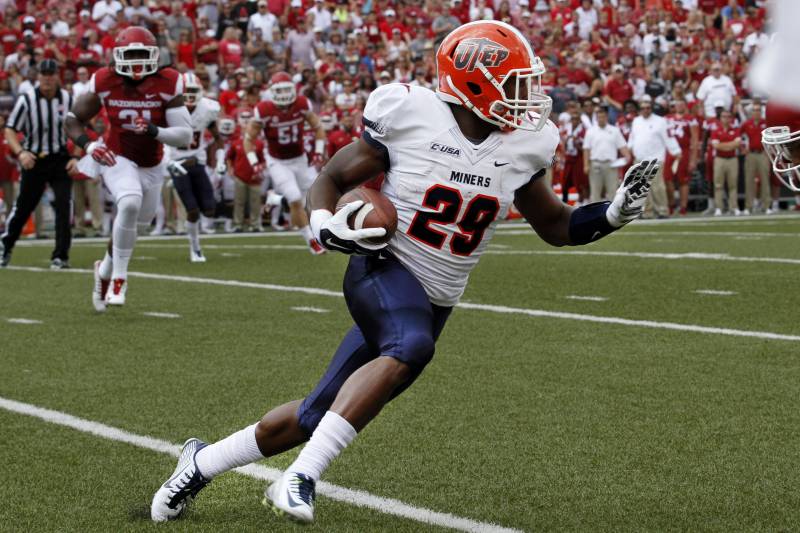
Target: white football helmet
point(781, 141)
point(192, 89)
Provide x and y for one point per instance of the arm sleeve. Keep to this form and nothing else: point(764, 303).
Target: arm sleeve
point(179, 127)
point(587, 140)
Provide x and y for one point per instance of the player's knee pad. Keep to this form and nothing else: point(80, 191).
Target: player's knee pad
point(415, 348)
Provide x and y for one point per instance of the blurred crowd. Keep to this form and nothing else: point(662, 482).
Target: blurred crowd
point(683, 62)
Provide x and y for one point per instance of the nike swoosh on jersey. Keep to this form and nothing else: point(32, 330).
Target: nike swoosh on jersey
point(499, 164)
point(148, 96)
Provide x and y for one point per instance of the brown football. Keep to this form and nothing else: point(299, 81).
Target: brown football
point(377, 212)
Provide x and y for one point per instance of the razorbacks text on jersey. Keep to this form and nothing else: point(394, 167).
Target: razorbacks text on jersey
point(125, 102)
point(449, 192)
point(203, 115)
point(284, 127)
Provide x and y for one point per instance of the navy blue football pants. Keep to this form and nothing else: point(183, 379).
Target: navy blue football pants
point(393, 317)
point(195, 190)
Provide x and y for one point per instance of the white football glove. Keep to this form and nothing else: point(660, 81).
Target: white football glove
point(333, 232)
point(629, 199)
point(176, 169)
point(221, 168)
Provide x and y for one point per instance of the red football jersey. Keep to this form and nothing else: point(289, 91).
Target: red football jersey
point(680, 127)
point(284, 127)
point(124, 102)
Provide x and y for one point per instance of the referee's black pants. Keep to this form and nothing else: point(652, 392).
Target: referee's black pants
point(50, 169)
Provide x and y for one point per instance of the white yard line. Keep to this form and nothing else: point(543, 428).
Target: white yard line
point(303, 309)
point(539, 313)
point(23, 321)
point(712, 292)
point(161, 315)
point(358, 498)
point(653, 255)
point(586, 298)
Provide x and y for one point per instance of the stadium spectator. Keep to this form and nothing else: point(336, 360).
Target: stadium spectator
point(104, 14)
point(263, 20)
point(618, 90)
point(726, 141)
point(756, 163)
point(601, 145)
point(649, 140)
point(716, 87)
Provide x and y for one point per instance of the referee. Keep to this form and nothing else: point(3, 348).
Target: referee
point(39, 114)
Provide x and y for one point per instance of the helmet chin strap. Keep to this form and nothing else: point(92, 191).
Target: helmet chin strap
point(465, 102)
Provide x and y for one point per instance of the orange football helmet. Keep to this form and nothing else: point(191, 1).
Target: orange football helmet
point(135, 53)
point(475, 64)
point(781, 141)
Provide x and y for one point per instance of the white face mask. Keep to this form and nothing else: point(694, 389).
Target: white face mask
point(777, 142)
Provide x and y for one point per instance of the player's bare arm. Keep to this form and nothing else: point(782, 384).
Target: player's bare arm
point(319, 143)
point(547, 215)
point(83, 111)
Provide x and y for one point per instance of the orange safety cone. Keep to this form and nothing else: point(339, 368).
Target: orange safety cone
point(30, 227)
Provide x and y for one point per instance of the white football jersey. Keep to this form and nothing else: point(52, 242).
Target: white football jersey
point(449, 192)
point(203, 115)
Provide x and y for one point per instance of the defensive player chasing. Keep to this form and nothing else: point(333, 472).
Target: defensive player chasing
point(187, 165)
point(283, 119)
point(454, 160)
point(145, 108)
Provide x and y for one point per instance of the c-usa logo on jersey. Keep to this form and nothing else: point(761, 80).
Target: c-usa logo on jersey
point(470, 51)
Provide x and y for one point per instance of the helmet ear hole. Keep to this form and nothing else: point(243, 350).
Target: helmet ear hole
point(475, 88)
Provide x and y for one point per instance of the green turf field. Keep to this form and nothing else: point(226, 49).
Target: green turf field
point(532, 420)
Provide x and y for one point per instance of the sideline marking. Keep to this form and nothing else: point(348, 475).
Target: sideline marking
point(586, 298)
point(161, 315)
point(310, 309)
point(358, 498)
point(712, 292)
point(23, 321)
point(539, 313)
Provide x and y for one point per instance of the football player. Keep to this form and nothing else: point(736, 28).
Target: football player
point(144, 105)
point(187, 165)
point(282, 118)
point(455, 160)
point(223, 181)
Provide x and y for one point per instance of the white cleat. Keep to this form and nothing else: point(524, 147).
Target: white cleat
point(116, 296)
point(717, 212)
point(292, 496)
point(99, 290)
point(182, 487)
point(196, 256)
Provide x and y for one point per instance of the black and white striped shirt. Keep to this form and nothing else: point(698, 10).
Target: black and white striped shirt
point(41, 120)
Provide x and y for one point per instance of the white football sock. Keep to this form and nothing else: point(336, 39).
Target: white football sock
point(235, 450)
point(305, 231)
point(106, 266)
point(193, 232)
point(124, 234)
point(332, 435)
point(275, 215)
point(161, 216)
